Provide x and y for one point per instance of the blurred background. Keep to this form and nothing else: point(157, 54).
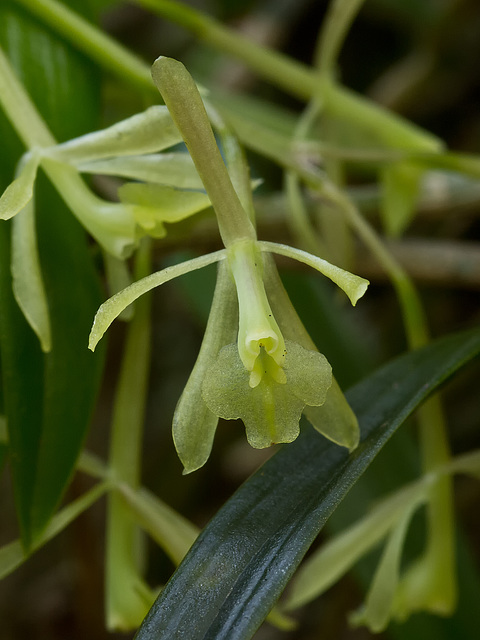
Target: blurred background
point(419, 59)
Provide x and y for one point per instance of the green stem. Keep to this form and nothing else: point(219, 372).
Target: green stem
point(440, 553)
point(293, 77)
point(20, 109)
point(335, 27)
point(125, 607)
point(95, 44)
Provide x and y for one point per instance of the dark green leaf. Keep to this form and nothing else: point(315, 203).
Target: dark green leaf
point(22, 369)
point(48, 397)
point(242, 561)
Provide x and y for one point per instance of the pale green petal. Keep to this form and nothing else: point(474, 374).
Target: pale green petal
point(114, 306)
point(175, 169)
point(20, 191)
point(335, 419)
point(270, 411)
point(354, 286)
point(309, 375)
point(27, 281)
point(194, 424)
point(377, 611)
point(165, 204)
point(269, 415)
point(146, 132)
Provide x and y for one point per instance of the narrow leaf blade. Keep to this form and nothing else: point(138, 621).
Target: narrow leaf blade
point(244, 558)
point(48, 397)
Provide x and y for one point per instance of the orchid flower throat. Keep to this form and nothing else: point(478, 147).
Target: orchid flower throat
point(260, 342)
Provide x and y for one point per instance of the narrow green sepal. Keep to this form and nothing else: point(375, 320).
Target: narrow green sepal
point(354, 286)
point(114, 306)
point(335, 419)
point(188, 112)
point(194, 425)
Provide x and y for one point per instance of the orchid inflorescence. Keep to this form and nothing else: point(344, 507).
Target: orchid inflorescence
point(256, 362)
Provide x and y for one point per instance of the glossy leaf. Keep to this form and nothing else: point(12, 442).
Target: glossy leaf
point(244, 558)
point(335, 557)
point(48, 397)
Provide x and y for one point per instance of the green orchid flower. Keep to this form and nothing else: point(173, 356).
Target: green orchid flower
point(256, 362)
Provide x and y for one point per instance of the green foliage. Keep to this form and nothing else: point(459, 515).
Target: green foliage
point(86, 198)
point(244, 558)
point(46, 392)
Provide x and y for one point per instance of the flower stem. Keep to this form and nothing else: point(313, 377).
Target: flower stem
point(20, 109)
point(440, 552)
point(337, 22)
point(93, 42)
point(125, 607)
point(293, 77)
point(188, 112)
